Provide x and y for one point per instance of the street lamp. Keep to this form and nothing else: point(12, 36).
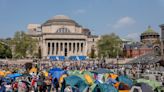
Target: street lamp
point(117, 57)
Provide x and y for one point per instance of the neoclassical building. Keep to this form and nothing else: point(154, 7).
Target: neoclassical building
point(61, 37)
point(162, 40)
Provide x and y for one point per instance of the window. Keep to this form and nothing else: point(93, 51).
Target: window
point(63, 30)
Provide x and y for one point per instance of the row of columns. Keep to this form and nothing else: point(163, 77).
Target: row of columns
point(65, 48)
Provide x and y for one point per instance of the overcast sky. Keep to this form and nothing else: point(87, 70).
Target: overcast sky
point(126, 18)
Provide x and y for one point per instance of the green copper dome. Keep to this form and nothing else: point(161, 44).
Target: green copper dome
point(149, 31)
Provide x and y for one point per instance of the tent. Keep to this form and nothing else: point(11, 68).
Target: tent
point(33, 70)
point(143, 86)
point(104, 88)
point(74, 82)
point(153, 84)
point(126, 80)
point(54, 69)
point(2, 73)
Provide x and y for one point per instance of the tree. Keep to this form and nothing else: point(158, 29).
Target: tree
point(5, 51)
point(23, 44)
point(109, 46)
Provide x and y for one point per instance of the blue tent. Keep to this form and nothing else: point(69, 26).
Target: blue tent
point(58, 74)
point(104, 88)
point(126, 80)
point(54, 69)
point(74, 81)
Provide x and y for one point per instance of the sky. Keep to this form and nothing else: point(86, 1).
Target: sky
point(126, 18)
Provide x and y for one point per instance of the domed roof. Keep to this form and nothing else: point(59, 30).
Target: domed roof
point(149, 31)
point(61, 17)
point(60, 20)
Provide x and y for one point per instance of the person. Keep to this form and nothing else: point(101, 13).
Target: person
point(56, 84)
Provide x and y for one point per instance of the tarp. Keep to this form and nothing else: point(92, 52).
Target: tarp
point(14, 75)
point(126, 80)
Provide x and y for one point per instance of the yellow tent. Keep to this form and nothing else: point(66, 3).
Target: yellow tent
point(7, 72)
point(2, 73)
point(33, 70)
point(88, 79)
point(45, 73)
point(113, 76)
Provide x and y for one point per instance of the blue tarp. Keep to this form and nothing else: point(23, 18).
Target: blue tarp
point(56, 58)
point(14, 75)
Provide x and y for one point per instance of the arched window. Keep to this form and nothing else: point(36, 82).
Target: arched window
point(63, 30)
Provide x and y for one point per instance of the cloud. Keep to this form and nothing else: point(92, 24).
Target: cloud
point(134, 36)
point(80, 11)
point(124, 22)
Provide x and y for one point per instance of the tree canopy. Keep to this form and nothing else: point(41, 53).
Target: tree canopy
point(5, 51)
point(109, 46)
point(23, 44)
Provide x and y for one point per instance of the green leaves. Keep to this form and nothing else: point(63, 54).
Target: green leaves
point(24, 45)
point(109, 45)
point(5, 51)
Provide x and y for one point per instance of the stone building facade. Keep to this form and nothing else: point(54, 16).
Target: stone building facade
point(162, 40)
point(61, 36)
point(149, 42)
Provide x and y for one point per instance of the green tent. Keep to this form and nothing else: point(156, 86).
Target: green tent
point(153, 84)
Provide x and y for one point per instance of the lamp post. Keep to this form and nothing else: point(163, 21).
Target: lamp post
point(117, 57)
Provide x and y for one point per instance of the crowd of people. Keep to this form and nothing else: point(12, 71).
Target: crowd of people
point(37, 78)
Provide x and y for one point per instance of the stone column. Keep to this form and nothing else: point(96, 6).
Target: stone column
point(50, 49)
point(63, 48)
point(72, 48)
point(59, 50)
point(75, 48)
point(67, 49)
point(80, 53)
point(54, 49)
